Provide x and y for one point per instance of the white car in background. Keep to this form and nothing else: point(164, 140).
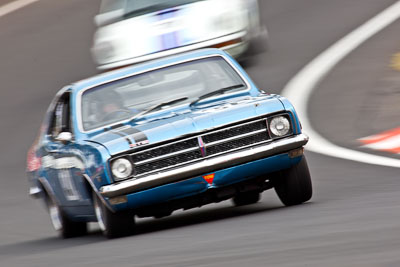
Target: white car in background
point(132, 31)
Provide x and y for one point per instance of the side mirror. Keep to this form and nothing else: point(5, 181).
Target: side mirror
point(64, 137)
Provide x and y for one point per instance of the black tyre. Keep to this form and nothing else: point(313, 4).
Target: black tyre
point(246, 198)
point(293, 185)
point(62, 224)
point(113, 224)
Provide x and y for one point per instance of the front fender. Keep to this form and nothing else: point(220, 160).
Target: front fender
point(290, 108)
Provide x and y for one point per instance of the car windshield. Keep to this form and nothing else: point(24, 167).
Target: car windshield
point(138, 7)
point(142, 94)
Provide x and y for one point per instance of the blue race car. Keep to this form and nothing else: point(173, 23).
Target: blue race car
point(175, 133)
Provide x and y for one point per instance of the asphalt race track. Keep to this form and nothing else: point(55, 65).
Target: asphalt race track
point(353, 218)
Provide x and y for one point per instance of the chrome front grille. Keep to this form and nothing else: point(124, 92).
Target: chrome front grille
point(169, 149)
point(234, 144)
point(235, 131)
point(197, 148)
point(166, 162)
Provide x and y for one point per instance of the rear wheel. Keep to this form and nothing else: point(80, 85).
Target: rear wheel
point(113, 224)
point(293, 186)
point(62, 224)
point(246, 198)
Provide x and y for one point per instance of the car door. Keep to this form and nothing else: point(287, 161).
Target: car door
point(64, 164)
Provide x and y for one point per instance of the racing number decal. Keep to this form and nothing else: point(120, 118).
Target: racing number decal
point(68, 185)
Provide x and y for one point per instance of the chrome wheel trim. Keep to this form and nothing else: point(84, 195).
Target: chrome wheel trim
point(99, 215)
point(55, 216)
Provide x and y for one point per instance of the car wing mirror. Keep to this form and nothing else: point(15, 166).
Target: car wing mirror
point(64, 137)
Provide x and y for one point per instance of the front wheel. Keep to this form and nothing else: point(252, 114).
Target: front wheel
point(293, 186)
point(113, 224)
point(62, 224)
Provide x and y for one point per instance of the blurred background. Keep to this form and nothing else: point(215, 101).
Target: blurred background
point(353, 217)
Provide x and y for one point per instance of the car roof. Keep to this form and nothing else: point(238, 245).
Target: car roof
point(137, 68)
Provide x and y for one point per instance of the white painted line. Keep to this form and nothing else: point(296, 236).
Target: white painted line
point(13, 6)
point(301, 86)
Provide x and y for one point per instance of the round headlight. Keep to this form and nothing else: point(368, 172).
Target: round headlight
point(279, 126)
point(121, 168)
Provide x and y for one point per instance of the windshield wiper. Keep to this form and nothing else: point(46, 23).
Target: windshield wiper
point(217, 92)
point(159, 106)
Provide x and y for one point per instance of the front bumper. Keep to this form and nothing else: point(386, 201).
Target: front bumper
point(235, 44)
point(205, 166)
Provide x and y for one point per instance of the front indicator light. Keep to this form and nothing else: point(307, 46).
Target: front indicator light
point(121, 168)
point(118, 200)
point(279, 126)
point(296, 153)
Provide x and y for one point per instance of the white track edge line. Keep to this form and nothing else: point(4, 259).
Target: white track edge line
point(13, 6)
point(300, 87)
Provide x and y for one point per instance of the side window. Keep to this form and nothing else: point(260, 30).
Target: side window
point(61, 121)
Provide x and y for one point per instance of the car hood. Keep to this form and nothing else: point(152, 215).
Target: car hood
point(174, 125)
